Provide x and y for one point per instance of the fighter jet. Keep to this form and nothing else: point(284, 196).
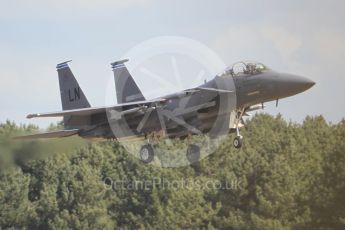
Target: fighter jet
point(214, 108)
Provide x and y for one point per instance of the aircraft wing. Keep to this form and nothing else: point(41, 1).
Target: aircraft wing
point(54, 134)
point(95, 110)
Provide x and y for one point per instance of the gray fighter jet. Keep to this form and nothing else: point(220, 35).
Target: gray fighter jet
point(213, 108)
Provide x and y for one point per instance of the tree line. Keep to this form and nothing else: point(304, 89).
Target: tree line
point(286, 176)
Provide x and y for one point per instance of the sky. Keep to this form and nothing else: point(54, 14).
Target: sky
point(300, 37)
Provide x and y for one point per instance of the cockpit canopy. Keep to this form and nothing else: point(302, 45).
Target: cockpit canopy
point(245, 68)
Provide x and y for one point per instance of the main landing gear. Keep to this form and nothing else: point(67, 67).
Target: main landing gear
point(146, 153)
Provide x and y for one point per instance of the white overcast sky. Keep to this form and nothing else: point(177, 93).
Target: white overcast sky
point(301, 37)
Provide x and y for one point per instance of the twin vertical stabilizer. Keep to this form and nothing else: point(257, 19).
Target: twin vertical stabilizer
point(72, 96)
point(126, 88)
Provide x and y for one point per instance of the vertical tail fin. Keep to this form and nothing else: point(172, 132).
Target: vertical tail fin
point(72, 96)
point(126, 88)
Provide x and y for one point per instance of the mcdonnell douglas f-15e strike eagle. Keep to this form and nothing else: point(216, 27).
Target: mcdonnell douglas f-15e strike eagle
point(213, 108)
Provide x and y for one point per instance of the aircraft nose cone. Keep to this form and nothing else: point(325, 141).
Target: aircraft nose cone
point(294, 84)
point(303, 82)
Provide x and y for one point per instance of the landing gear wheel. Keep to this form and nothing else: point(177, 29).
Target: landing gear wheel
point(238, 142)
point(193, 153)
point(146, 153)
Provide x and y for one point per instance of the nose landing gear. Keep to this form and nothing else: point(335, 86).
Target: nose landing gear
point(237, 142)
point(238, 139)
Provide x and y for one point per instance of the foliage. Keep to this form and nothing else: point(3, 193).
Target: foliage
point(286, 176)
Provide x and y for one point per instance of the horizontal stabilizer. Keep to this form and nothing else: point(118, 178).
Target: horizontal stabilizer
point(54, 134)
